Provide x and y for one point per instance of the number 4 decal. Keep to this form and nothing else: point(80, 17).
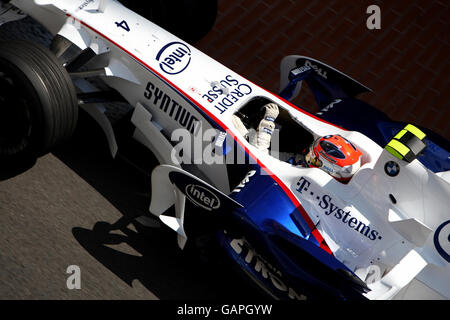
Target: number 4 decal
point(123, 25)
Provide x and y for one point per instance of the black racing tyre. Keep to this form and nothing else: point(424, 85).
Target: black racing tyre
point(190, 20)
point(38, 102)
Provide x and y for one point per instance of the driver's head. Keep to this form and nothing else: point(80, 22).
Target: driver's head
point(335, 155)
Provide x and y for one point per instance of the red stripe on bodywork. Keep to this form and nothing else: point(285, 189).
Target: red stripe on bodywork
point(291, 196)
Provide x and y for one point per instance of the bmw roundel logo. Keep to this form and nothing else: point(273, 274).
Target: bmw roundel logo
point(392, 168)
point(442, 240)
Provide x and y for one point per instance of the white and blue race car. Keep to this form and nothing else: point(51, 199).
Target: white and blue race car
point(295, 231)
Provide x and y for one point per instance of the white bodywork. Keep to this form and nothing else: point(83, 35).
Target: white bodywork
point(398, 250)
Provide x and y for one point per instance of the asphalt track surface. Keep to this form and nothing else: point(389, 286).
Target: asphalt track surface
point(57, 214)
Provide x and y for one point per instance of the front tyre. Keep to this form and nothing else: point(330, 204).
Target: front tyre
point(38, 102)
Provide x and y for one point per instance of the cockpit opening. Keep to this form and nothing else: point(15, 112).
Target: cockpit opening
point(271, 129)
point(290, 136)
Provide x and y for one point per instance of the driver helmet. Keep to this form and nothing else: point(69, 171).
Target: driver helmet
point(335, 155)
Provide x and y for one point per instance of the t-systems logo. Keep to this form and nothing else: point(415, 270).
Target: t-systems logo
point(202, 197)
point(174, 57)
point(328, 206)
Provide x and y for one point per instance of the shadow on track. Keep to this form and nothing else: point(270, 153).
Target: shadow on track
point(162, 268)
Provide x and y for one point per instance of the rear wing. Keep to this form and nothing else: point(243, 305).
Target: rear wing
point(326, 83)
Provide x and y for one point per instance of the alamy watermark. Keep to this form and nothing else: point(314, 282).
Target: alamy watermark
point(374, 20)
point(226, 309)
point(212, 146)
point(74, 280)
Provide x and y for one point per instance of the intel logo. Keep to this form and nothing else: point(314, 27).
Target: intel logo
point(202, 197)
point(174, 57)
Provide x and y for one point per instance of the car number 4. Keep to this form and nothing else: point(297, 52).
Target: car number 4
point(123, 25)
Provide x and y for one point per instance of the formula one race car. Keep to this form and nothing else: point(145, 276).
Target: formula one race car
point(296, 231)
